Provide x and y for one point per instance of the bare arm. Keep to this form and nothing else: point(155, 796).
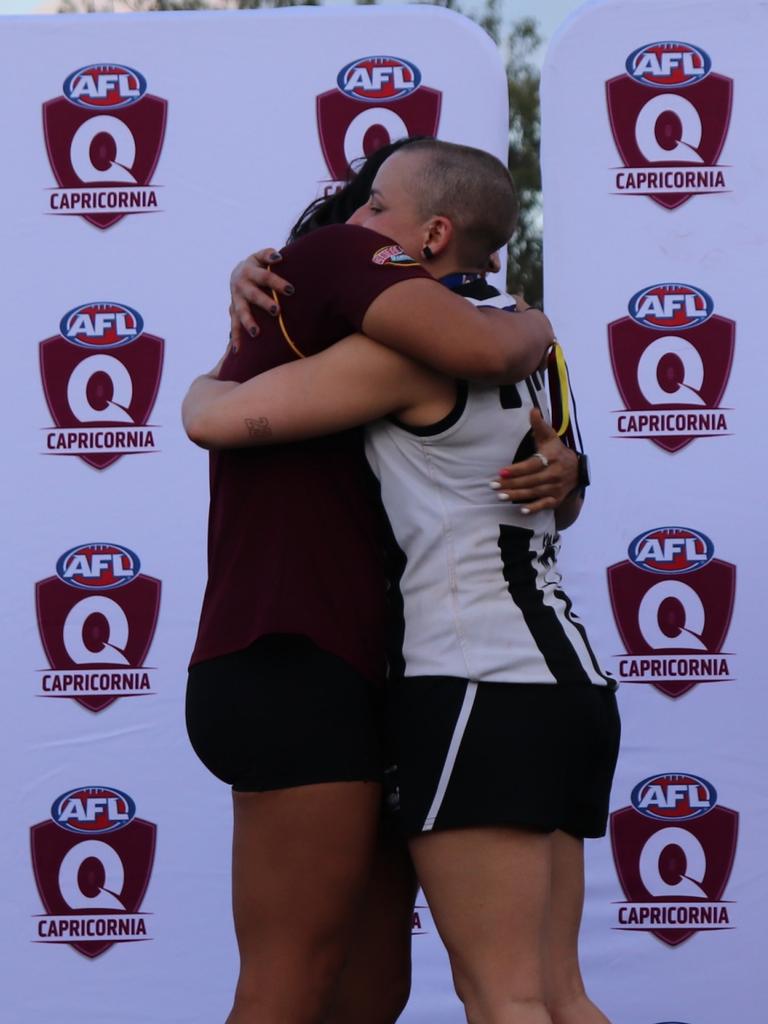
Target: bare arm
point(353, 382)
point(425, 321)
point(350, 383)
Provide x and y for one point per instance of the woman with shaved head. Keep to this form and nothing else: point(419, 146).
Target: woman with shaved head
point(500, 696)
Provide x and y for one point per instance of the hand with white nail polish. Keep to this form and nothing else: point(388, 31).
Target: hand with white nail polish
point(548, 479)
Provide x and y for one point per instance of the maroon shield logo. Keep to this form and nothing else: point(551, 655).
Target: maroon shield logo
point(110, 388)
point(94, 882)
point(675, 621)
point(350, 129)
point(97, 633)
point(683, 128)
point(97, 150)
point(654, 858)
point(656, 373)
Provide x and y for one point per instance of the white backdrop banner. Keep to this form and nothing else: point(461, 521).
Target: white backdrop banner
point(655, 249)
point(143, 156)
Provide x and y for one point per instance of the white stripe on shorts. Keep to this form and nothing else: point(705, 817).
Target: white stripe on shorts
point(453, 751)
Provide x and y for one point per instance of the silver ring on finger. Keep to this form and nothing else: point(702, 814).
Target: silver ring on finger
point(542, 458)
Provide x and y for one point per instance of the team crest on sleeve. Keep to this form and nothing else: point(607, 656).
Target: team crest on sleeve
point(673, 601)
point(669, 114)
point(100, 376)
point(97, 617)
point(673, 848)
point(92, 861)
point(393, 256)
point(671, 359)
point(377, 100)
point(104, 136)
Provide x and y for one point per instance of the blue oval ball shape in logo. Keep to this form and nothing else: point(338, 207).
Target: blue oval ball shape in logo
point(98, 566)
point(93, 810)
point(111, 320)
point(669, 795)
point(679, 306)
point(684, 78)
point(383, 83)
point(671, 550)
point(107, 87)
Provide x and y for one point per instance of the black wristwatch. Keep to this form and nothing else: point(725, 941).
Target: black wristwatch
point(583, 479)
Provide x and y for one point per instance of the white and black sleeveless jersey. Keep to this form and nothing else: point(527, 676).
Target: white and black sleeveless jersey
point(482, 597)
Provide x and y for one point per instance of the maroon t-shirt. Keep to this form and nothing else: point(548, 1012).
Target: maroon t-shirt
point(295, 533)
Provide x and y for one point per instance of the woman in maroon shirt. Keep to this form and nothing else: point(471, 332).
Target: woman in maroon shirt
point(283, 696)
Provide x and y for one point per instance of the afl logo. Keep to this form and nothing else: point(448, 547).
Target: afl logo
point(93, 810)
point(671, 307)
point(104, 86)
point(669, 114)
point(378, 79)
point(101, 325)
point(671, 550)
point(98, 567)
point(92, 862)
point(674, 797)
point(668, 65)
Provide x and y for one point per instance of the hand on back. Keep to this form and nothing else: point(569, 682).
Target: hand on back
point(254, 286)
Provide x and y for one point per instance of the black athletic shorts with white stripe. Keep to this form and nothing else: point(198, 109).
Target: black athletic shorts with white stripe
point(504, 754)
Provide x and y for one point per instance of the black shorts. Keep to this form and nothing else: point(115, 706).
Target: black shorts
point(484, 754)
point(284, 713)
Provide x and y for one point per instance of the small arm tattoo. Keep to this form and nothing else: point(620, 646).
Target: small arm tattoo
point(259, 428)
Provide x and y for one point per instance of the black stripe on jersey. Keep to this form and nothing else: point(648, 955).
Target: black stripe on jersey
point(547, 631)
point(509, 397)
point(509, 394)
point(462, 392)
point(574, 621)
point(532, 392)
point(525, 450)
point(579, 444)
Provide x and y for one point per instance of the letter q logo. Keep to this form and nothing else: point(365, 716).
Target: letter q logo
point(104, 132)
point(674, 845)
point(98, 612)
point(671, 597)
point(669, 110)
point(91, 882)
point(376, 100)
point(101, 370)
point(672, 353)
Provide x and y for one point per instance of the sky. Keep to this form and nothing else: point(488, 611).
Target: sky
point(549, 13)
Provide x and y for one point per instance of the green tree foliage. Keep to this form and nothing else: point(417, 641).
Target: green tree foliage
point(524, 269)
point(524, 272)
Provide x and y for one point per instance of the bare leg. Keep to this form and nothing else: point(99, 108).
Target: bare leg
point(301, 860)
point(488, 889)
point(376, 980)
point(567, 999)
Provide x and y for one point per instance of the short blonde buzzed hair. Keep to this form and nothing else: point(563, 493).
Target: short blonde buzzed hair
point(472, 188)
